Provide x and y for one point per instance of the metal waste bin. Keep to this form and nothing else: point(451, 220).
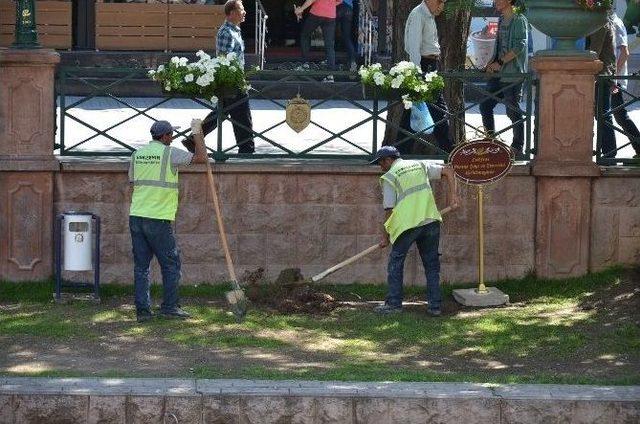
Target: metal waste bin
point(77, 236)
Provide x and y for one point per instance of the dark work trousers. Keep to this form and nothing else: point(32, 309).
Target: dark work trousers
point(608, 140)
point(328, 26)
point(344, 16)
point(622, 118)
point(240, 113)
point(438, 111)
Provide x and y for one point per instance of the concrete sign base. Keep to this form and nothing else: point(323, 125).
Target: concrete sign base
point(470, 297)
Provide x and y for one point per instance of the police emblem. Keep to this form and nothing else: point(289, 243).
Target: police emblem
point(298, 113)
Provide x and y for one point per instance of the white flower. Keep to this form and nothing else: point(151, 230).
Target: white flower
point(397, 81)
point(231, 56)
point(167, 87)
point(188, 78)
point(363, 72)
point(202, 55)
point(175, 60)
point(429, 76)
point(160, 68)
point(203, 81)
point(375, 66)
point(183, 61)
point(406, 102)
point(378, 78)
point(151, 73)
point(214, 100)
point(222, 60)
point(232, 68)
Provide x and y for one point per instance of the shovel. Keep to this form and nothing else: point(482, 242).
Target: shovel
point(236, 297)
point(360, 255)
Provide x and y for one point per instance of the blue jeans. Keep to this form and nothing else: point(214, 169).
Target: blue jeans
point(427, 238)
point(511, 98)
point(328, 26)
point(151, 237)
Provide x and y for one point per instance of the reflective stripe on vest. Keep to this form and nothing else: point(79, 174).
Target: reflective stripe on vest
point(415, 203)
point(155, 192)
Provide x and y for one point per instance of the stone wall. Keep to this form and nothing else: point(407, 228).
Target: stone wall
point(307, 216)
point(95, 400)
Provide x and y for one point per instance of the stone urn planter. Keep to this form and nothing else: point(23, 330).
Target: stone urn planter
point(565, 21)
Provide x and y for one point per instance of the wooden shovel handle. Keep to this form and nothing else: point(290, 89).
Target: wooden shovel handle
point(345, 263)
point(223, 234)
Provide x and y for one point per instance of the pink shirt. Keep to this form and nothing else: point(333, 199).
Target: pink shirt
point(325, 8)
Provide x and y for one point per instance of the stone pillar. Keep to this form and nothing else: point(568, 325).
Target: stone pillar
point(564, 166)
point(27, 163)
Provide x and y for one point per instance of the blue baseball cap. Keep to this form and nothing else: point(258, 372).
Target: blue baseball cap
point(160, 128)
point(385, 152)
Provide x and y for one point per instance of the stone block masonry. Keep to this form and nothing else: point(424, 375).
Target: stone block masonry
point(310, 216)
point(94, 400)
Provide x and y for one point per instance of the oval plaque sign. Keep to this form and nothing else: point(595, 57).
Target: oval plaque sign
point(481, 161)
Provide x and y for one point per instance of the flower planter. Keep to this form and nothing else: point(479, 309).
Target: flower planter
point(565, 21)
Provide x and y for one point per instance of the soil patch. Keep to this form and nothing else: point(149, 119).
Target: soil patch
point(289, 294)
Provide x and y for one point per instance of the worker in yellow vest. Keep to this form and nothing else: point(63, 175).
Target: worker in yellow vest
point(153, 171)
point(411, 216)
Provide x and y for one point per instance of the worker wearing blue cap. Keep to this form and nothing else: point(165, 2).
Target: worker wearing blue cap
point(411, 216)
point(153, 171)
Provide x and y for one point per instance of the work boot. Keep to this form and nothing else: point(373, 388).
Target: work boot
point(177, 313)
point(144, 316)
point(434, 312)
point(387, 309)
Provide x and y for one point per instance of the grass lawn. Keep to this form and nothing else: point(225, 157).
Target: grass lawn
point(578, 331)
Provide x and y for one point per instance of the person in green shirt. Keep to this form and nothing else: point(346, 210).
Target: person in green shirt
point(510, 58)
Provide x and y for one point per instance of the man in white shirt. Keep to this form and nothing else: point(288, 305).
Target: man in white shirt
point(617, 99)
point(422, 44)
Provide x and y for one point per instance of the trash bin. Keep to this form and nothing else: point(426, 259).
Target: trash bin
point(77, 248)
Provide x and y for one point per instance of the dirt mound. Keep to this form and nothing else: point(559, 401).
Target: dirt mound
point(288, 294)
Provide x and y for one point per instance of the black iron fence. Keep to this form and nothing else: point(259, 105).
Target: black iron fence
point(370, 108)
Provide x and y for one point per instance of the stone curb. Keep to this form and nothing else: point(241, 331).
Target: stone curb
point(114, 400)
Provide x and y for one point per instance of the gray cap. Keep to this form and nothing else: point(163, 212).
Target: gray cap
point(160, 128)
point(385, 152)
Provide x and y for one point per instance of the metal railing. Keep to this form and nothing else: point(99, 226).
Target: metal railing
point(271, 87)
point(367, 34)
point(261, 33)
point(607, 151)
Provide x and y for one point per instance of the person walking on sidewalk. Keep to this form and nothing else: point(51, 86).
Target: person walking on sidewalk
point(229, 40)
point(153, 171)
point(322, 14)
point(422, 44)
point(344, 16)
point(411, 216)
point(510, 58)
point(602, 42)
point(620, 112)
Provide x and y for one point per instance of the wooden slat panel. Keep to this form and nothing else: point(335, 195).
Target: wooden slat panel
point(134, 14)
point(190, 44)
point(134, 26)
point(53, 19)
point(193, 32)
point(195, 20)
point(131, 43)
point(131, 31)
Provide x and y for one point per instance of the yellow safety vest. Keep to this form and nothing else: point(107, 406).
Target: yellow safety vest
point(155, 185)
point(415, 203)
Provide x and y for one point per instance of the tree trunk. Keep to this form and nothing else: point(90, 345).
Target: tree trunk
point(401, 9)
point(453, 30)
